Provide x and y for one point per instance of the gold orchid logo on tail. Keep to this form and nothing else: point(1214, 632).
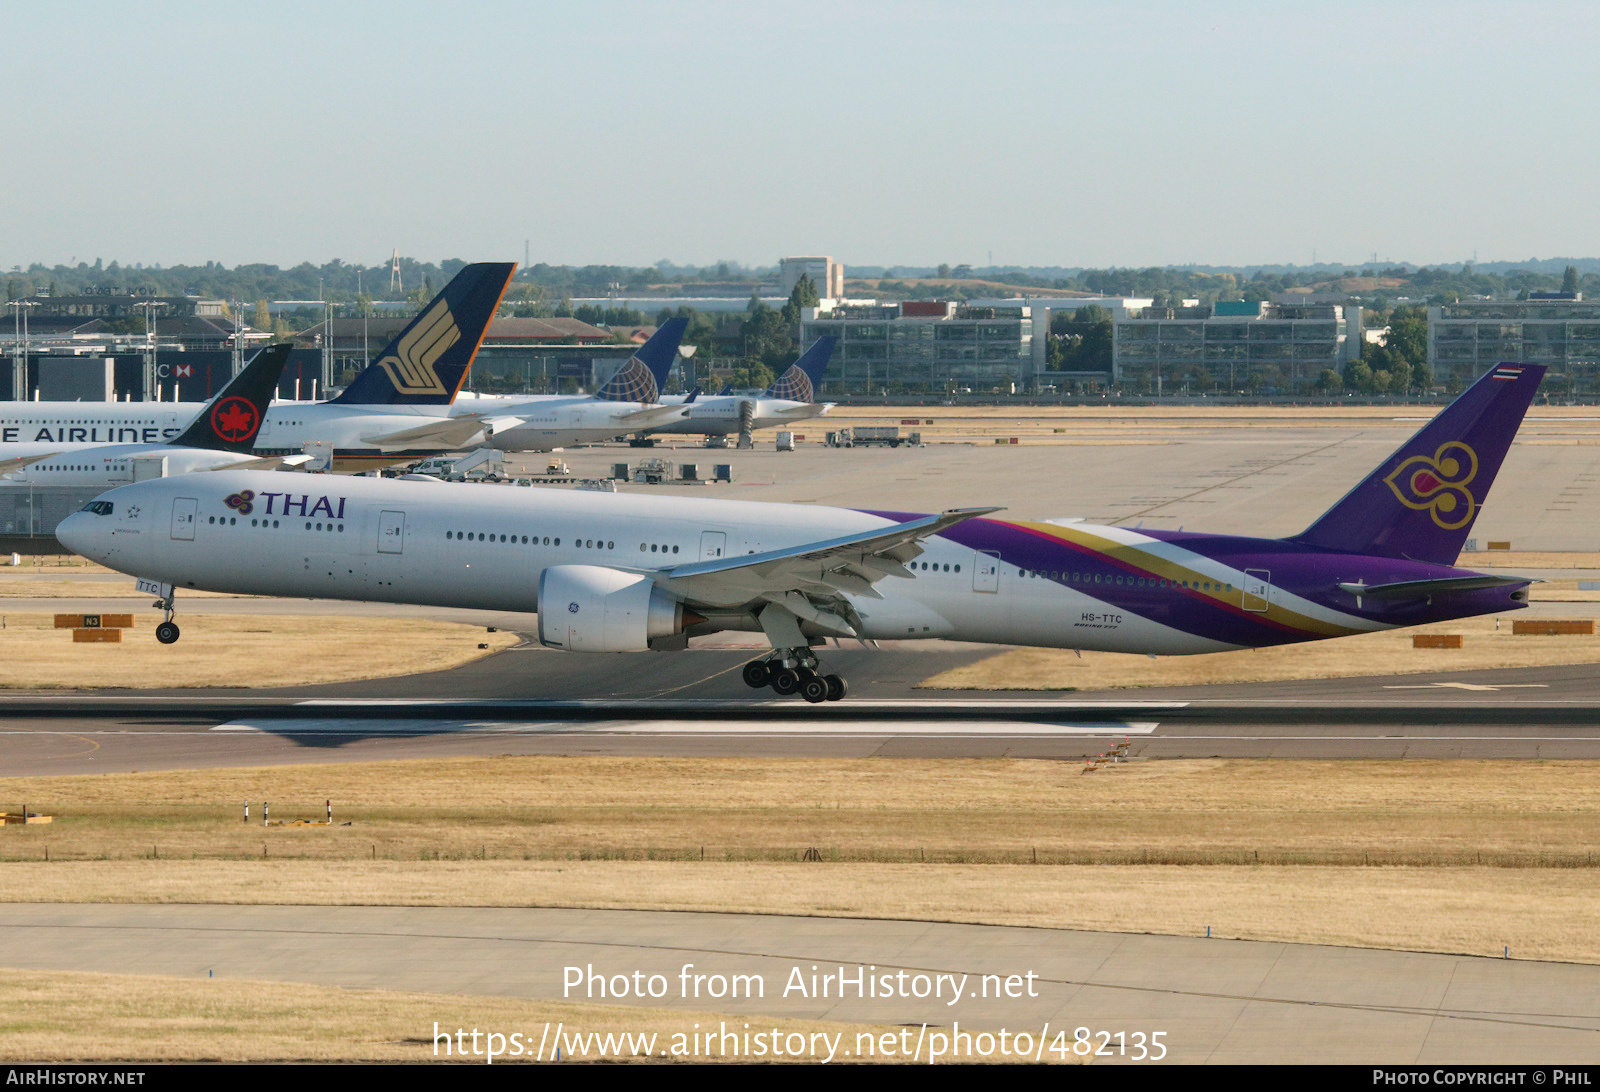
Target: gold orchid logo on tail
point(1438, 484)
point(411, 366)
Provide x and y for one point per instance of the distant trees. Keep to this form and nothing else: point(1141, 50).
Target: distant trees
point(1400, 364)
point(1569, 279)
point(1080, 340)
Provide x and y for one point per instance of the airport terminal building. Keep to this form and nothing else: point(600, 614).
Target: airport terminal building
point(1239, 345)
point(1559, 330)
point(923, 346)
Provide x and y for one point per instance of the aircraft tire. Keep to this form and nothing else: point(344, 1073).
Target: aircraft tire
point(757, 674)
point(837, 687)
point(167, 633)
point(786, 681)
point(815, 689)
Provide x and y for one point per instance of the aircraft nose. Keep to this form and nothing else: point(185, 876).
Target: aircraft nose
point(77, 533)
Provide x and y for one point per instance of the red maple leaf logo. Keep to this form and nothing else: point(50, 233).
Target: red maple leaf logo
point(234, 419)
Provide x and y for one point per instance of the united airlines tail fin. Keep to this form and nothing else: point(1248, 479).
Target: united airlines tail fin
point(644, 376)
point(799, 381)
point(231, 420)
point(425, 365)
point(1422, 501)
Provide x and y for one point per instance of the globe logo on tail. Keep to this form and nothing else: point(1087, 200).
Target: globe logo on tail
point(1438, 484)
point(631, 383)
point(794, 385)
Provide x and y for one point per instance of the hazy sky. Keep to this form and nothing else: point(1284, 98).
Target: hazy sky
point(881, 133)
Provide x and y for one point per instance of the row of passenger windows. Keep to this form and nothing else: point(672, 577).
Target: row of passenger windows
point(525, 540)
point(231, 521)
point(934, 567)
point(1127, 581)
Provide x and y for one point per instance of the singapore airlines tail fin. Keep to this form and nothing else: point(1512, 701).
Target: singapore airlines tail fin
point(425, 365)
point(1422, 501)
point(799, 381)
point(232, 419)
point(644, 376)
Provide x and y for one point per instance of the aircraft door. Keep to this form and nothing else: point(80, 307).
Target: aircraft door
point(183, 514)
point(391, 532)
point(1257, 590)
point(986, 571)
point(713, 544)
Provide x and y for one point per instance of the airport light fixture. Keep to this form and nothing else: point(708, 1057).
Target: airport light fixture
point(19, 348)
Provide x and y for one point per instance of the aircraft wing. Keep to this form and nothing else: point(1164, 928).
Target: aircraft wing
point(653, 416)
point(809, 580)
point(268, 462)
point(11, 466)
point(448, 433)
point(807, 409)
point(1423, 589)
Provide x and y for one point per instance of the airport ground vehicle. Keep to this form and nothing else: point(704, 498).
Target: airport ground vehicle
point(627, 572)
point(873, 436)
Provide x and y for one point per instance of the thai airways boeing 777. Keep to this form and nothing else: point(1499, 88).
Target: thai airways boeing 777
point(622, 572)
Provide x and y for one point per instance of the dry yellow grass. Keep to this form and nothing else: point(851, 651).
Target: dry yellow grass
point(1366, 654)
point(943, 810)
point(60, 1016)
point(1539, 913)
point(244, 650)
point(471, 831)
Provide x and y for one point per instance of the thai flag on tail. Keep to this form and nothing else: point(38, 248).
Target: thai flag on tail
point(1507, 371)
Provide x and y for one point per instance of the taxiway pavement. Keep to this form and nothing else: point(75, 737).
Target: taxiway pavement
point(1215, 1000)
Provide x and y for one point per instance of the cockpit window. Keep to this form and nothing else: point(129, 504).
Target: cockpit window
point(99, 508)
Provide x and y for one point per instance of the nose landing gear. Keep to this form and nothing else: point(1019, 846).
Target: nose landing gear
point(167, 632)
point(794, 670)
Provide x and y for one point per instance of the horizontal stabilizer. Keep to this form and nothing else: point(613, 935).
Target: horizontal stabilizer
point(1424, 589)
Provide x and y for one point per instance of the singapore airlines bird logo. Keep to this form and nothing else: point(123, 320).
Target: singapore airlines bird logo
point(1438, 484)
point(411, 366)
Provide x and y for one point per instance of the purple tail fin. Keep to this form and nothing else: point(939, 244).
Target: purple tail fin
point(1421, 502)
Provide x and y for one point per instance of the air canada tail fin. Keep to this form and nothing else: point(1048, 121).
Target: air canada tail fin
point(644, 376)
point(232, 419)
point(799, 381)
point(425, 365)
point(1422, 501)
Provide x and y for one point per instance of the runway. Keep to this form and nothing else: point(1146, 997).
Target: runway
point(1219, 1001)
point(1476, 715)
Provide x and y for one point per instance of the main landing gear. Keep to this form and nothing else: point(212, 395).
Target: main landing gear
point(167, 632)
point(794, 671)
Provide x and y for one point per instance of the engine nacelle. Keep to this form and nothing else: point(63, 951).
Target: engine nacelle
point(590, 608)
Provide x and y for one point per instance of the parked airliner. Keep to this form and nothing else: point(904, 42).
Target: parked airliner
point(396, 411)
point(624, 572)
point(790, 400)
point(222, 436)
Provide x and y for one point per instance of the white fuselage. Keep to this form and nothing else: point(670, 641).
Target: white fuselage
point(721, 415)
point(28, 428)
point(485, 547)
